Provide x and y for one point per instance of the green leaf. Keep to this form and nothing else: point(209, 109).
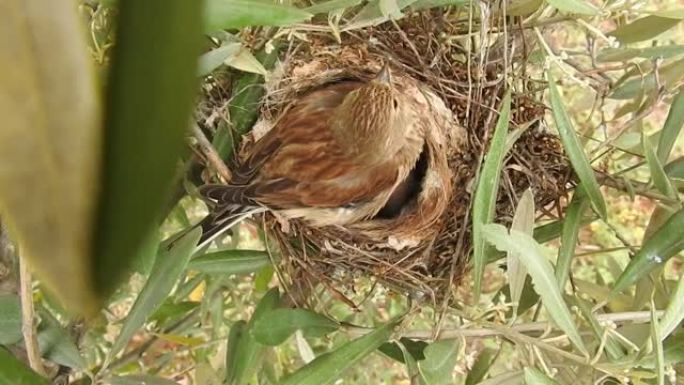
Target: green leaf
point(166, 270)
point(211, 60)
point(440, 358)
point(541, 272)
point(282, 323)
point(484, 203)
point(227, 262)
point(612, 346)
point(150, 95)
point(523, 7)
point(624, 54)
point(669, 77)
point(655, 251)
point(412, 347)
point(580, 7)
point(535, 377)
point(14, 372)
point(328, 367)
point(523, 221)
point(642, 29)
point(672, 127)
point(56, 344)
point(571, 226)
point(227, 14)
point(331, 5)
point(10, 319)
point(660, 179)
point(674, 313)
point(573, 148)
point(51, 137)
point(657, 342)
point(425, 4)
point(481, 367)
point(245, 355)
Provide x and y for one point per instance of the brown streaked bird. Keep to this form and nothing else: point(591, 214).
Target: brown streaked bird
point(337, 155)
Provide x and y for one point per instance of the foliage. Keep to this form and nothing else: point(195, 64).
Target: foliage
point(593, 296)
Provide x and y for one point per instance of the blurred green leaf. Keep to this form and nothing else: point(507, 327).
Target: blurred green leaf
point(57, 345)
point(246, 62)
point(245, 355)
point(440, 358)
point(669, 77)
point(523, 221)
point(328, 367)
point(612, 347)
point(523, 7)
point(282, 323)
point(674, 313)
point(165, 273)
point(481, 367)
point(413, 347)
point(170, 310)
point(642, 29)
point(672, 127)
point(541, 272)
point(580, 7)
point(657, 343)
point(14, 372)
point(149, 99)
point(624, 54)
point(211, 60)
point(227, 262)
point(660, 179)
point(331, 5)
point(535, 377)
point(425, 4)
point(486, 192)
point(656, 250)
point(574, 149)
point(571, 226)
point(10, 319)
point(227, 14)
point(51, 137)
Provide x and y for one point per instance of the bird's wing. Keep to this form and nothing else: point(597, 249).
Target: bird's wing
point(299, 164)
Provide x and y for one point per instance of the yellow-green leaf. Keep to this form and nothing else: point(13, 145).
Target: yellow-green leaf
point(642, 29)
point(580, 7)
point(49, 144)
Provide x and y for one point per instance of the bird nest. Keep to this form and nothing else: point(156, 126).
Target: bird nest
point(404, 253)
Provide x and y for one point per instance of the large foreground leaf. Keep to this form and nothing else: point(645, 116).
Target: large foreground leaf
point(49, 143)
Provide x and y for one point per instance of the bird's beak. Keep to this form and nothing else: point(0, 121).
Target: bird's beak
point(384, 75)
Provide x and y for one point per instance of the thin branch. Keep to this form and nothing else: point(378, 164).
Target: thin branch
point(28, 326)
point(209, 152)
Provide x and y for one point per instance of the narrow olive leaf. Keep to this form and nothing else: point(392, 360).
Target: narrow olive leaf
point(669, 77)
point(246, 62)
point(657, 342)
point(535, 377)
point(282, 323)
point(523, 221)
point(226, 14)
point(438, 366)
point(612, 347)
point(390, 9)
point(166, 270)
point(672, 127)
point(541, 272)
point(642, 29)
point(57, 344)
point(149, 99)
point(14, 372)
point(245, 354)
point(579, 7)
point(213, 59)
point(227, 262)
point(571, 226)
point(660, 179)
point(481, 366)
point(331, 5)
point(674, 313)
point(666, 242)
point(523, 7)
point(328, 367)
point(624, 54)
point(487, 190)
point(425, 4)
point(410, 361)
point(10, 319)
point(574, 149)
point(371, 14)
point(393, 350)
point(50, 144)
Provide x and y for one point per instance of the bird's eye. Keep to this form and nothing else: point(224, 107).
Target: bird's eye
point(395, 103)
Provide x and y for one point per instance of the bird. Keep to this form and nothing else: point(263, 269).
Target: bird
point(342, 153)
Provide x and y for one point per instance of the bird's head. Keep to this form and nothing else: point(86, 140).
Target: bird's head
point(368, 123)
